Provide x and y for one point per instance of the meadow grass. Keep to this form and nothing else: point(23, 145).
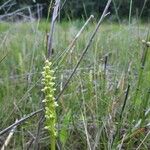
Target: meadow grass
point(105, 103)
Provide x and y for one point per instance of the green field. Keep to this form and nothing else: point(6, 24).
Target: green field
point(106, 104)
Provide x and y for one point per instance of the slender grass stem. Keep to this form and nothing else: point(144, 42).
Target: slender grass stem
point(130, 11)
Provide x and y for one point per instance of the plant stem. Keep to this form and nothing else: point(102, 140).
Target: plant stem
point(53, 142)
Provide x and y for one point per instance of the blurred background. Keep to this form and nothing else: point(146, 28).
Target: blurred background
point(81, 9)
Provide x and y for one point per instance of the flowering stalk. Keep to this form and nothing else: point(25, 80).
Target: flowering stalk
point(50, 104)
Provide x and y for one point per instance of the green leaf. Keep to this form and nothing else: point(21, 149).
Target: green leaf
point(64, 130)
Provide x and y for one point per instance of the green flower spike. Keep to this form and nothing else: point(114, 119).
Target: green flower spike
point(50, 103)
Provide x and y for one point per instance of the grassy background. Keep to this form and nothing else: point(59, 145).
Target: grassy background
point(90, 108)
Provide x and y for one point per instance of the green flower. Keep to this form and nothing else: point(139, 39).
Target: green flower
point(50, 103)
